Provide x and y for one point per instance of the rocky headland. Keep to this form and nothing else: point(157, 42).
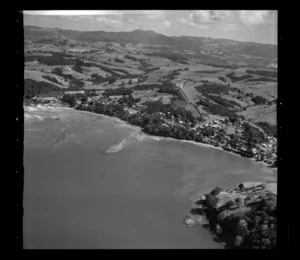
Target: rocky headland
point(243, 217)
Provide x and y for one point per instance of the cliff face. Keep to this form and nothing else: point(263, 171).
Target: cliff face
point(244, 217)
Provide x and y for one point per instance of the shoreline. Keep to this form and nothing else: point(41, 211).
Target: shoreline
point(160, 137)
point(234, 215)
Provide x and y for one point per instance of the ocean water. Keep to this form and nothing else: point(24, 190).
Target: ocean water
point(94, 182)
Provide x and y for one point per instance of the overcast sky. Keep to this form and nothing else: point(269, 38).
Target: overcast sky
point(257, 26)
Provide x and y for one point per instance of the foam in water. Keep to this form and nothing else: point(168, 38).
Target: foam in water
point(115, 148)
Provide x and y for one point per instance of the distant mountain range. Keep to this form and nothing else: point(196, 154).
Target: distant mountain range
point(152, 38)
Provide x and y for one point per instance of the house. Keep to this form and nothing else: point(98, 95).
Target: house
point(75, 92)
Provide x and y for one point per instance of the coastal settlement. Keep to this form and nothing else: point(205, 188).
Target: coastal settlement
point(232, 134)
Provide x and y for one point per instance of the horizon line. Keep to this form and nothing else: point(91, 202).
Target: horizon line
point(152, 31)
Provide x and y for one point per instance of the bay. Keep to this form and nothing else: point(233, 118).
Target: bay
point(93, 182)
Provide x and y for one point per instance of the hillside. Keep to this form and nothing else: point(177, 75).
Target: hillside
point(97, 60)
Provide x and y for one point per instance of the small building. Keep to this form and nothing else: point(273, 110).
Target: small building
point(75, 92)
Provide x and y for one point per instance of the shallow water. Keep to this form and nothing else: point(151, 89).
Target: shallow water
point(96, 182)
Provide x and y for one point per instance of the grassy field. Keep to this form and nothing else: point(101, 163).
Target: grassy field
point(38, 76)
point(194, 73)
point(261, 114)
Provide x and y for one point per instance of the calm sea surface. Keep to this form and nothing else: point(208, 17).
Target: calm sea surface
point(96, 182)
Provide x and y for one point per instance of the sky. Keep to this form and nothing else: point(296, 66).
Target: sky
point(241, 25)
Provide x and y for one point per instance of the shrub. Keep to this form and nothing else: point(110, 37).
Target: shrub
point(70, 99)
point(211, 200)
point(216, 191)
point(33, 88)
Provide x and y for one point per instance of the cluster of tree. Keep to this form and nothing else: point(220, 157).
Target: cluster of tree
point(47, 77)
point(118, 60)
point(170, 56)
point(235, 78)
point(212, 88)
point(80, 62)
point(146, 87)
point(254, 229)
point(166, 87)
point(63, 42)
point(261, 79)
point(128, 100)
point(238, 90)
point(74, 84)
point(269, 129)
point(224, 102)
point(222, 78)
point(170, 110)
point(91, 93)
point(112, 72)
point(215, 109)
point(261, 231)
point(54, 59)
point(98, 79)
point(172, 75)
point(217, 63)
point(69, 99)
point(149, 119)
point(259, 100)
point(147, 70)
point(170, 88)
point(33, 88)
point(265, 73)
point(77, 68)
point(131, 58)
point(253, 136)
point(117, 92)
point(58, 72)
point(208, 71)
point(45, 40)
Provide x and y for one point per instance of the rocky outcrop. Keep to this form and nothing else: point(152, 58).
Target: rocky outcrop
point(244, 217)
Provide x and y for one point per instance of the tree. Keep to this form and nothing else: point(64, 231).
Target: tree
point(70, 99)
point(130, 82)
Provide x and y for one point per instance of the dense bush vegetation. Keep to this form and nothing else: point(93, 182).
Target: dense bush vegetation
point(55, 59)
point(117, 92)
point(98, 79)
point(165, 87)
point(69, 99)
point(261, 79)
point(208, 71)
point(265, 73)
point(172, 75)
point(131, 58)
point(118, 60)
point(253, 136)
point(269, 129)
point(47, 77)
point(209, 91)
point(212, 88)
point(259, 100)
point(222, 78)
point(235, 78)
point(47, 41)
point(77, 68)
point(224, 102)
point(170, 56)
point(74, 84)
point(216, 109)
point(33, 88)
